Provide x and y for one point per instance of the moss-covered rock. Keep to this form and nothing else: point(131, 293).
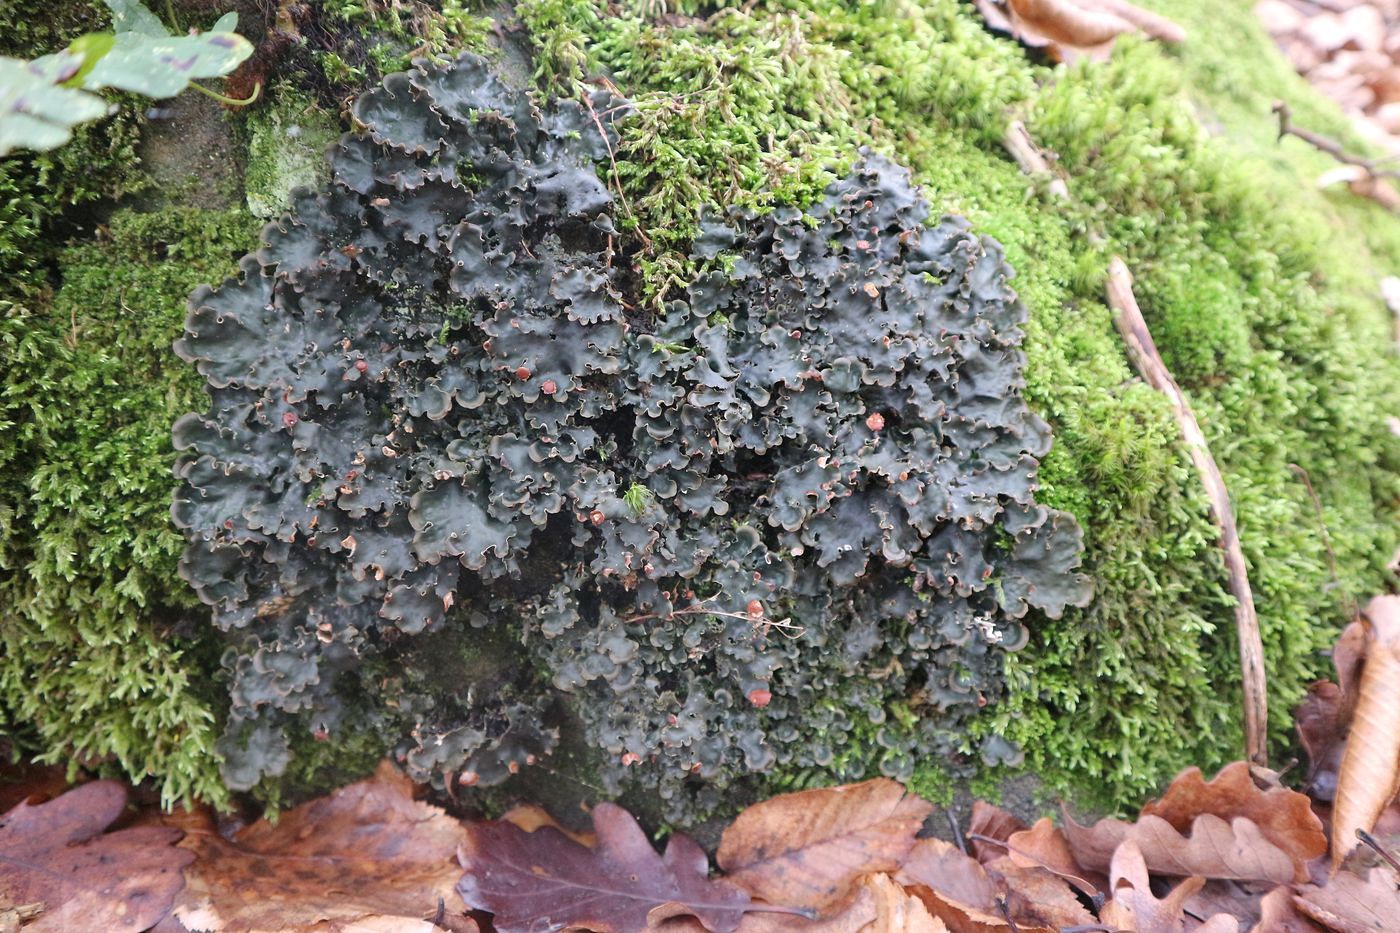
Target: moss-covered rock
point(1261, 290)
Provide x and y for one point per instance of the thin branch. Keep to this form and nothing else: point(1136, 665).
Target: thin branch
point(1127, 317)
point(1372, 167)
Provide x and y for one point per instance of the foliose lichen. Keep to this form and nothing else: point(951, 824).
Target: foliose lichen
point(800, 495)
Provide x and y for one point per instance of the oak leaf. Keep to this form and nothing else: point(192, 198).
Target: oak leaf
point(545, 880)
point(367, 852)
point(1284, 816)
point(1278, 914)
point(808, 849)
point(1214, 848)
point(1134, 907)
point(1045, 846)
point(1350, 903)
point(60, 867)
point(1370, 772)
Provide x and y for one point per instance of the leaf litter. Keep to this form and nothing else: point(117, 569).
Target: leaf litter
point(1236, 852)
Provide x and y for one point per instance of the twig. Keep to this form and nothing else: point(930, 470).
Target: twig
point(1330, 146)
point(957, 831)
point(1032, 161)
point(1380, 850)
point(616, 176)
point(1127, 317)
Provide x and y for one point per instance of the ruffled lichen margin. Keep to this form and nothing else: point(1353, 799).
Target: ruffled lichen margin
point(1262, 293)
point(729, 532)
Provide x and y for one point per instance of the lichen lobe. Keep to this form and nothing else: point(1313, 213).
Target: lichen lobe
point(431, 406)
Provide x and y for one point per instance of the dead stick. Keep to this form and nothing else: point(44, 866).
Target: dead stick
point(1031, 160)
point(1127, 316)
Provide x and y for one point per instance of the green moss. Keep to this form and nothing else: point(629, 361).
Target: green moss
point(380, 38)
point(287, 140)
point(1269, 315)
point(97, 659)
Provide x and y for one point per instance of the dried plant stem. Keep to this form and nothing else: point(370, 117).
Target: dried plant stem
point(1128, 318)
point(1029, 157)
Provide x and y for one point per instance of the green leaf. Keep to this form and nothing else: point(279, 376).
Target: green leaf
point(131, 16)
point(164, 67)
point(90, 48)
point(34, 112)
point(227, 23)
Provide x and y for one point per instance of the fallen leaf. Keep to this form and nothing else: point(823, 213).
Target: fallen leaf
point(56, 856)
point(992, 823)
point(1284, 816)
point(898, 911)
point(368, 850)
point(530, 817)
point(1322, 733)
point(1352, 904)
point(1037, 897)
point(1278, 914)
point(1044, 846)
point(807, 849)
point(1370, 768)
point(855, 914)
point(1068, 28)
point(1214, 848)
point(942, 867)
point(1134, 907)
point(528, 880)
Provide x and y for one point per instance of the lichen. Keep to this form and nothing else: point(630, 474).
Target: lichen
point(1236, 255)
point(431, 409)
point(288, 136)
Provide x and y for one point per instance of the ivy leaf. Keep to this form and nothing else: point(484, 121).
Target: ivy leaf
point(164, 66)
point(132, 16)
point(545, 880)
point(56, 855)
point(35, 113)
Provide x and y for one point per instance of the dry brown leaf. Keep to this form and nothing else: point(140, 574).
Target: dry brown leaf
point(1037, 897)
point(1371, 764)
point(61, 869)
point(1352, 904)
point(1044, 846)
point(898, 911)
point(945, 869)
point(1322, 733)
point(544, 880)
point(1278, 914)
point(853, 915)
point(1073, 27)
point(1284, 816)
point(964, 918)
point(1214, 848)
point(809, 848)
point(530, 817)
point(1134, 907)
point(993, 823)
point(1066, 22)
point(368, 850)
